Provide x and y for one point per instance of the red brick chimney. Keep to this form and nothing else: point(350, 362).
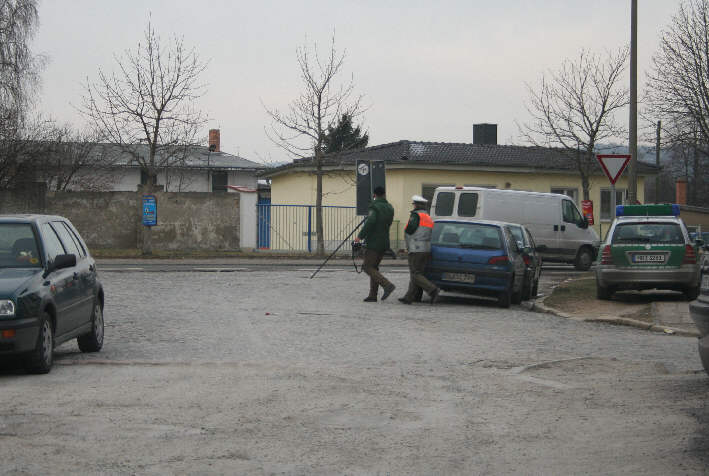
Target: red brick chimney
point(214, 139)
point(681, 191)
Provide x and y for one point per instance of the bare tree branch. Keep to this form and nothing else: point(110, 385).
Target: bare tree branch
point(300, 129)
point(574, 108)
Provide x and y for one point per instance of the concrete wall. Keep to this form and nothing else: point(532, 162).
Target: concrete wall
point(186, 221)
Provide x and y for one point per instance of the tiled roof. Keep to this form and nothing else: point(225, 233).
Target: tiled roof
point(197, 157)
point(446, 153)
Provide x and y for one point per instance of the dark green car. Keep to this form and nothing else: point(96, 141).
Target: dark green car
point(648, 247)
point(49, 290)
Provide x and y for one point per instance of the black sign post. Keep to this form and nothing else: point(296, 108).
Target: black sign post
point(369, 176)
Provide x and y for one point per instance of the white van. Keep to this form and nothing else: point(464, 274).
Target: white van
point(561, 232)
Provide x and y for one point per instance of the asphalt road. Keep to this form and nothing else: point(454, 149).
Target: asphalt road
point(265, 371)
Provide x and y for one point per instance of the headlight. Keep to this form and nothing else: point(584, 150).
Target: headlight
point(7, 308)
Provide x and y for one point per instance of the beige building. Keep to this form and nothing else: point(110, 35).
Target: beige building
point(420, 167)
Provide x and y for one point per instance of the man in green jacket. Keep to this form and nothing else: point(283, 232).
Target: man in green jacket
point(375, 234)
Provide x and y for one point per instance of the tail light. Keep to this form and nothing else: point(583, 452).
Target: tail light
point(498, 260)
point(606, 256)
point(690, 257)
point(527, 260)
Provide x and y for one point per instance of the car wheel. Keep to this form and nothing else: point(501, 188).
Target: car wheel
point(603, 292)
point(527, 289)
point(691, 293)
point(42, 357)
point(535, 289)
point(516, 296)
point(504, 298)
point(584, 260)
point(92, 341)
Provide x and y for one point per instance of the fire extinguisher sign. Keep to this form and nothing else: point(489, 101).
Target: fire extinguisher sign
point(587, 210)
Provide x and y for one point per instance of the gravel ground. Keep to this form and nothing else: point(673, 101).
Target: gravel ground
point(269, 372)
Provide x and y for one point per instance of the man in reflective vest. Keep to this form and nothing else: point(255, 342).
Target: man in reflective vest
point(418, 243)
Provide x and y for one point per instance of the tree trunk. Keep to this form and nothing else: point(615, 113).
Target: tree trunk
point(147, 238)
point(318, 213)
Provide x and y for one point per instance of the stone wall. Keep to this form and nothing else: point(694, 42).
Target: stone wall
point(186, 221)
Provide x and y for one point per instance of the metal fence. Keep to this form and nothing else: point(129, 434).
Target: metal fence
point(292, 227)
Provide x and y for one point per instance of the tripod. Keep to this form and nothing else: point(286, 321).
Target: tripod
point(338, 247)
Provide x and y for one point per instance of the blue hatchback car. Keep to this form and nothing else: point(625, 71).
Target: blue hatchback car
point(477, 257)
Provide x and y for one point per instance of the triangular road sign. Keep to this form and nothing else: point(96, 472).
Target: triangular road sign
point(613, 165)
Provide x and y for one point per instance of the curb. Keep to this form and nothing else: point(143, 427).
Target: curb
point(619, 321)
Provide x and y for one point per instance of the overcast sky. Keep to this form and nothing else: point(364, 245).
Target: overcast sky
point(428, 70)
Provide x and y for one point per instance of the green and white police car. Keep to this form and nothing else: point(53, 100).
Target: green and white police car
point(648, 247)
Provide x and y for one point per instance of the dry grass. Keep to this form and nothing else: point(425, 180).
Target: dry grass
point(577, 297)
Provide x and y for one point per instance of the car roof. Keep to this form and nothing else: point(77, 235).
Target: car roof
point(476, 222)
point(662, 218)
point(28, 218)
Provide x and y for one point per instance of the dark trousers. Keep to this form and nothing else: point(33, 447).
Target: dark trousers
point(417, 280)
point(371, 267)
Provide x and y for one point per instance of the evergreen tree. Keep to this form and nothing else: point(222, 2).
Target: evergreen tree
point(344, 137)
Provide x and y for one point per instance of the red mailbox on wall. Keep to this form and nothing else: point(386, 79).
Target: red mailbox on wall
point(587, 210)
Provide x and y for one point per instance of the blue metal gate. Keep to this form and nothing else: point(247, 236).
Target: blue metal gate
point(292, 227)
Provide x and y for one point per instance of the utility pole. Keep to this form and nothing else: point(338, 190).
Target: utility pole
point(657, 161)
point(633, 139)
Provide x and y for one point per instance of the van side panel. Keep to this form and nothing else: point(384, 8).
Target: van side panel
point(541, 213)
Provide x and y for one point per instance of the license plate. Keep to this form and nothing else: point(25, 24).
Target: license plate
point(462, 277)
point(645, 258)
point(705, 281)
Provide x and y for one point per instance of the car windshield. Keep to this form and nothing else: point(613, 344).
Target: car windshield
point(18, 246)
point(647, 232)
point(467, 235)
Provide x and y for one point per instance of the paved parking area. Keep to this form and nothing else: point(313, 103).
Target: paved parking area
point(268, 371)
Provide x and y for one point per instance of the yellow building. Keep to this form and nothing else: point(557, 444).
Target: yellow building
point(419, 167)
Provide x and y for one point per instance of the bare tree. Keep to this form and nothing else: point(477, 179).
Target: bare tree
point(149, 100)
point(678, 90)
point(574, 108)
point(19, 77)
point(76, 160)
point(301, 128)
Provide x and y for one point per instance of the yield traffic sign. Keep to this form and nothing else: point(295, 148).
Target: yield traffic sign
point(613, 165)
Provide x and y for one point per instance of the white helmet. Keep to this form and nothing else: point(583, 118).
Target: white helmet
point(418, 199)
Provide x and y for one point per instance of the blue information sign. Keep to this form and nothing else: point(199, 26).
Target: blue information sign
point(150, 210)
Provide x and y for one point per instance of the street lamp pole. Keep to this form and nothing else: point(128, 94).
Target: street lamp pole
point(633, 139)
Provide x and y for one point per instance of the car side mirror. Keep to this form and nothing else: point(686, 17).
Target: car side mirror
point(699, 242)
point(584, 223)
point(63, 261)
point(520, 246)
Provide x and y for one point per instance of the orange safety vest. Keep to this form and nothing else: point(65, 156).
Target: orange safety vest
point(420, 240)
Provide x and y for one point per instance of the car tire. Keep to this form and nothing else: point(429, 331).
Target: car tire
point(584, 259)
point(92, 341)
point(691, 293)
point(515, 296)
point(41, 358)
point(603, 292)
point(504, 299)
point(535, 289)
point(527, 288)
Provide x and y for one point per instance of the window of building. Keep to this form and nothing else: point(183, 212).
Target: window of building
point(606, 213)
point(144, 178)
point(572, 193)
point(219, 181)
